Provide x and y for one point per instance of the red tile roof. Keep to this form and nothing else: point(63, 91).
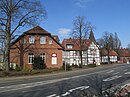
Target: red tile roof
point(111, 53)
point(75, 43)
point(56, 37)
point(124, 52)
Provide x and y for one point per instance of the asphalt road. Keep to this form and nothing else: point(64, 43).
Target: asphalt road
point(62, 84)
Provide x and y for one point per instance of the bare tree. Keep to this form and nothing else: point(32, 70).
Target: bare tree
point(80, 31)
point(117, 42)
point(106, 42)
point(109, 41)
point(15, 14)
point(22, 47)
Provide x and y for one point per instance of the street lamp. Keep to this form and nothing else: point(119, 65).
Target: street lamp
point(65, 54)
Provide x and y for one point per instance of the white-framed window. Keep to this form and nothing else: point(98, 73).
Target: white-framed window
point(50, 41)
point(31, 39)
point(54, 59)
point(69, 46)
point(30, 58)
point(43, 56)
point(42, 40)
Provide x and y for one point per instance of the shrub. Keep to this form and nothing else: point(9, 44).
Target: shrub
point(26, 73)
point(68, 67)
point(17, 68)
point(38, 63)
point(91, 65)
point(75, 66)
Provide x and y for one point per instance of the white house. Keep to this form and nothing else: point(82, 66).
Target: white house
point(112, 55)
point(90, 53)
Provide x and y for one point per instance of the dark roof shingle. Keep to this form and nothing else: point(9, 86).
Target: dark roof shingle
point(37, 30)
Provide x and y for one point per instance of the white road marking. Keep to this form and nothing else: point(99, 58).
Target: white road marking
point(127, 73)
point(70, 91)
point(112, 78)
point(115, 73)
point(67, 93)
point(53, 95)
point(34, 84)
point(125, 70)
point(2, 87)
point(128, 84)
point(110, 71)
point(81, 88)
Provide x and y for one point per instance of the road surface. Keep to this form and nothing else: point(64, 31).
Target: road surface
point(62, 84)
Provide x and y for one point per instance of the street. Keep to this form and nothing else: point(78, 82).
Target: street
point(64, 84)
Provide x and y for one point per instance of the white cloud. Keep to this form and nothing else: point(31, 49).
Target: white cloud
point(64, 31)
point(82, 3)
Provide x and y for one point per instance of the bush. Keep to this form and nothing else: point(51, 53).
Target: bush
point(75, 66)
point(91, 65)
point(27, 72)
point(68, 67)
point(38, 63)
point(18, 68)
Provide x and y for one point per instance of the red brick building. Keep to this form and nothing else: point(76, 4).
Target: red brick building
point(36, 42)
point(124, 55)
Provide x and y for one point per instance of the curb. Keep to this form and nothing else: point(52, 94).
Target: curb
point(56, 73)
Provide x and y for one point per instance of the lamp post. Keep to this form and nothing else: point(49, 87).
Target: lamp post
point(65, 55)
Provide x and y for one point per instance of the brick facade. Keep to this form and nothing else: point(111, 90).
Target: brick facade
point(22, 46)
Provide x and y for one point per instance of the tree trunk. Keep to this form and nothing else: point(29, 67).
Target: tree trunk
point(87, 56)
point(7, 53)
point(8, 37)
point(108, 56)
point(21, 60)
point(80, 65)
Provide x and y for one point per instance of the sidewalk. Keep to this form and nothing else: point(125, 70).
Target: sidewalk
point(124, 89)
point(62, 73)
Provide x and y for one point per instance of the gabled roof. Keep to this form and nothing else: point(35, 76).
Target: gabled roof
point(75, 43)
point(37, 30)
point(34, 31)
point(124, 52)
point(111, 53)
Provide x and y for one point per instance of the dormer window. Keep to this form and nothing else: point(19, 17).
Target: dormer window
point(69, 46)
point(31, 39)
point(42, 40)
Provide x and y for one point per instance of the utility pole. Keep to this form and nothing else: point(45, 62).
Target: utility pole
point(65, 56)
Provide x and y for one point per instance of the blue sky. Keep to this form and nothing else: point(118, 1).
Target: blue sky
point(105, 15)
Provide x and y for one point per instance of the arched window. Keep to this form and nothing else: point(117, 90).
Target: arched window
point(43, 56)
point(30, 58)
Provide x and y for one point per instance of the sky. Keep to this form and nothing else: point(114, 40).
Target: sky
point(106, 15)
